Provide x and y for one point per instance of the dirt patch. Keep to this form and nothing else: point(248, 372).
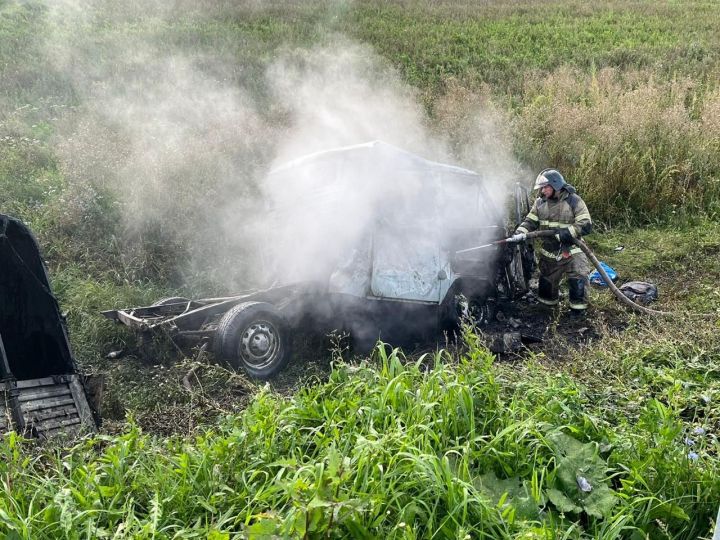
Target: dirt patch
point(524, 326)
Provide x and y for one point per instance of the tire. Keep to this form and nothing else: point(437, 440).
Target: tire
point(462, 309)
point(517, 279)
point(255, 337)
point(169, 300)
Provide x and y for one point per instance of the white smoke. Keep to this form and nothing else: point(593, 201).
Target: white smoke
point(186, 146)
point(345, 94)
point(328, 206)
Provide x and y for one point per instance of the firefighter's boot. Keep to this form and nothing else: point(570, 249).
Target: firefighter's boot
point(548, 292)
point(578, 295)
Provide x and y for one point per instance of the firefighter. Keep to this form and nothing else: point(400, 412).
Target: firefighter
point(559, 207)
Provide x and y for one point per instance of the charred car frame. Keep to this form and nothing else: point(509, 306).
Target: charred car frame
point(402, 276)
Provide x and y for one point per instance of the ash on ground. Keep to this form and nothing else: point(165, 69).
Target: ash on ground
point(525, 324)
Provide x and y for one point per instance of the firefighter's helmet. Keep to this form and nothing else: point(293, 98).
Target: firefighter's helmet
point(552, 177)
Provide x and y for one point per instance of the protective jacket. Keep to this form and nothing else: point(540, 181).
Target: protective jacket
point(564, 209)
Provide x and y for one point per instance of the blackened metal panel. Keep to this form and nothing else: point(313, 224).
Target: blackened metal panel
point(4, 367)
point(41, 391)
point(33, 330)
point(54, 406)
point(11, 406)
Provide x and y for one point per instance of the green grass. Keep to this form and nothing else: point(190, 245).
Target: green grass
point(682, 261)
point(543, 63)
point(499, 44)
point(621, 96)
point(431, 448)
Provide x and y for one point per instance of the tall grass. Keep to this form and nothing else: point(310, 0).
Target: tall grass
point(619, 95)
point(431, 448)
point(639, 149)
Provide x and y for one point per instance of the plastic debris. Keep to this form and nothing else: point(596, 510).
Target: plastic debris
point(640, 292)
point(583, 484)
point(596, 279)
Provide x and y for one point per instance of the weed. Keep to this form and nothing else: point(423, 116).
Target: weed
point(388, 449)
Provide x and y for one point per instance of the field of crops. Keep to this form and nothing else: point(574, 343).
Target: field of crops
point(130, 131)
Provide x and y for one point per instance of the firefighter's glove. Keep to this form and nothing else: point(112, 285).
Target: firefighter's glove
point(517, 237)
point(564, 236)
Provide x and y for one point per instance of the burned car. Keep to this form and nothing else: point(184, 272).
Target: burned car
point(41, 391)
point(363, 239)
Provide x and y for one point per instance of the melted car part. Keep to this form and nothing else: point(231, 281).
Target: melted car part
point(41, 391)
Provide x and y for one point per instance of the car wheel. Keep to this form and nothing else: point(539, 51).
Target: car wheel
point(255, 337)
point(517, 280)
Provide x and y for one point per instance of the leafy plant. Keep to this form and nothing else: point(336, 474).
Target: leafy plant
point(580, 482)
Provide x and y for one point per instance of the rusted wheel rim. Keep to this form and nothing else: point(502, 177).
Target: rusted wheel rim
point(260, 344)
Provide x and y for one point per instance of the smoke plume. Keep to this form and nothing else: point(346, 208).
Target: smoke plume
point(186, 141)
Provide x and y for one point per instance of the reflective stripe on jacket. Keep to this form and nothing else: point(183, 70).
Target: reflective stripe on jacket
point(563, 210)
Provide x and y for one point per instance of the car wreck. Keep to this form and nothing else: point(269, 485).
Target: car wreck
point(403, 270)
point(42, 394)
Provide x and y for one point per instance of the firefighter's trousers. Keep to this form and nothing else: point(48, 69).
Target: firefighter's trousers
point(576, 268)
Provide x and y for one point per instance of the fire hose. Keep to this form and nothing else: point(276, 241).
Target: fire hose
point(579, 242)
point(593, 259)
